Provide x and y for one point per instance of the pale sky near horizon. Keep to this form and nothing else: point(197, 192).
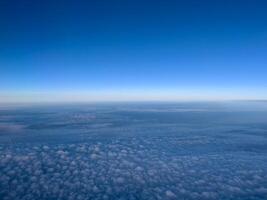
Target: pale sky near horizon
point(132, 50)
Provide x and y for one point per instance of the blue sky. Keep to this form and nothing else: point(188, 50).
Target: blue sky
point(133, 50)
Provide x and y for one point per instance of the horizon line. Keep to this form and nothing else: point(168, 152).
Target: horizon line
point(131, 101)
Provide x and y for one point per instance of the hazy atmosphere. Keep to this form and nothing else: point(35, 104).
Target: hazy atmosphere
point(133, 100)
point(132, 50)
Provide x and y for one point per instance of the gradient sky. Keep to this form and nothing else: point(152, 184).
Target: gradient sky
point(133, 50)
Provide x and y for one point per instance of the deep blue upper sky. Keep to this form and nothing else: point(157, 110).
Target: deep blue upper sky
point(176, 48)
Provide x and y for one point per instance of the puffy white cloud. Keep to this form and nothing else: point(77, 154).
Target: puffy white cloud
point(133, 168)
